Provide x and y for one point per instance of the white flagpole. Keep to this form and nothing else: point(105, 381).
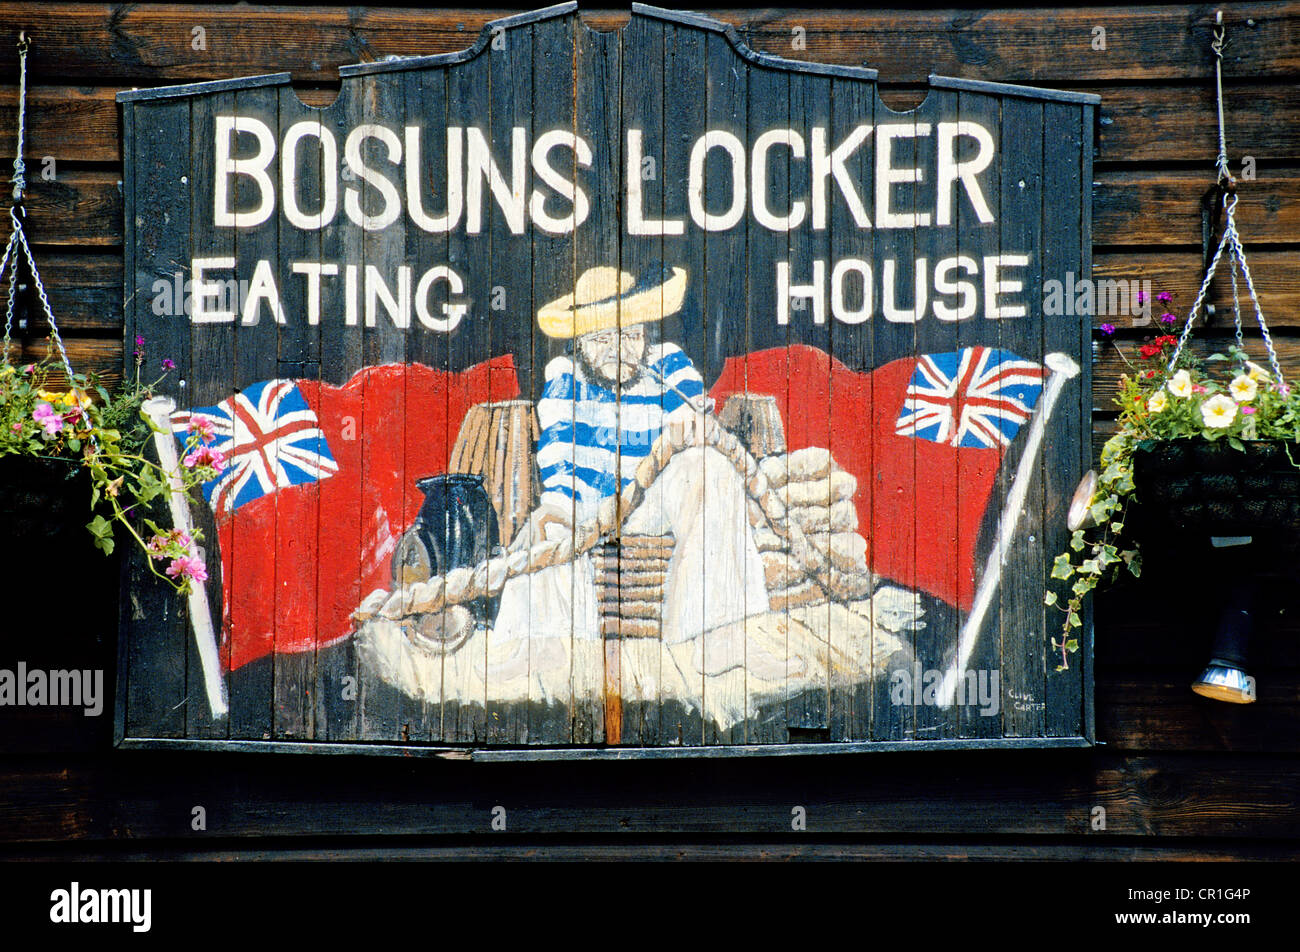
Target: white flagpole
point(159, 410)
point(1063, 368)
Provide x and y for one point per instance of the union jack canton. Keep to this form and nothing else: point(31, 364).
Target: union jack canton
point(270, 438)
point(974, 397)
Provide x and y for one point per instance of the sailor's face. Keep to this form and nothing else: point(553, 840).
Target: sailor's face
point(615, 354)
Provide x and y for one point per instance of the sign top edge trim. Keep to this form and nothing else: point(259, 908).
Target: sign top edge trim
point(211, 86)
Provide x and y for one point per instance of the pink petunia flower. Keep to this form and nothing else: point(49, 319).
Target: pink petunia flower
point(206, 456)
point(202, 425)
point(1248, 410)
point(44, 415)
point(188, 566)
point(168, 364)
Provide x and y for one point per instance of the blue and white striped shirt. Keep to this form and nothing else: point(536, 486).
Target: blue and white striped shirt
point(590, 434)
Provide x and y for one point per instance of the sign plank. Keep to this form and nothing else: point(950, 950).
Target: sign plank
point(618, 390)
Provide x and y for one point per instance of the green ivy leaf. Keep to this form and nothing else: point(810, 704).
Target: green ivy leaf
point(1049, 598)
point(1062, 568)
point(102, 531)
point(1074, 620)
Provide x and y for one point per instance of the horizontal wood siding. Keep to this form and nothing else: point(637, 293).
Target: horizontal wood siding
point(1179, 777)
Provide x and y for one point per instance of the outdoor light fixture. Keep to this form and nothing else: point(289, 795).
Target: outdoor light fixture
point(1225, 678)
point(1080, 516)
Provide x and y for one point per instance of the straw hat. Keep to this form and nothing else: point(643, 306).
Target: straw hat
point(607, 297)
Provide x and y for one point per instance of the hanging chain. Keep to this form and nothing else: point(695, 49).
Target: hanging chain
point(20, 168)
point(18, 239)
point(1217, 45)
point(1231, 239)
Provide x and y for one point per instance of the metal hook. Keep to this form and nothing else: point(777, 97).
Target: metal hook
point(24, 44)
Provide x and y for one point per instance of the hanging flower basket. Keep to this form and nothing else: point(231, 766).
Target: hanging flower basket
point(1213, 488)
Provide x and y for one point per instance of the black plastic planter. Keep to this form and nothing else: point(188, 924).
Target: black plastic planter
point(1215, 489)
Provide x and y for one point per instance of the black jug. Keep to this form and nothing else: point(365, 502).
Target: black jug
point(458, 528)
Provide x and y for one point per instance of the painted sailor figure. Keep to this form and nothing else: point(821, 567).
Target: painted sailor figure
point(603, 406)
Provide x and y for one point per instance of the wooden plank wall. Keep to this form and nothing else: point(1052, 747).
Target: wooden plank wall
point(1177, 776)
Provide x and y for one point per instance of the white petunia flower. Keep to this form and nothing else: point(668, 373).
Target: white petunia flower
point(1157, 402)
point(1180, 384)
point(1243, 388)
point(1257, 372)
point(1219, 411)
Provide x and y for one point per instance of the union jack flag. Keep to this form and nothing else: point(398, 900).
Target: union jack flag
point(270, 438)
point(975, 397)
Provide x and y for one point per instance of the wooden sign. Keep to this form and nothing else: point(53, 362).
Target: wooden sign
point(626, 393)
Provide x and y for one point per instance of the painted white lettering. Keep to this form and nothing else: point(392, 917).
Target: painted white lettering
point(637, 223)
point(482, 167)
point(888, 175)
point(253, 167)
point(329, 159)
point(567, 188)
point(735, 150)
point(758, 179)
point(950, 171)
point(391, 206)
point(455, 196)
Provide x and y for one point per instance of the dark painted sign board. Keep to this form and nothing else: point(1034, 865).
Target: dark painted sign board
point(594, 394)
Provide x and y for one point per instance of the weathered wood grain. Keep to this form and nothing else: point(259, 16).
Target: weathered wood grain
point(85, 288)
point(156, 671)
point(147, 45)
point(999, 793)
point(1040, 166)
point(1172, 123)
point(1164, 208)
point(1130, 208)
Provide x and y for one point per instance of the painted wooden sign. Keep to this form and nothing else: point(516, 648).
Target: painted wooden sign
point(630, 392)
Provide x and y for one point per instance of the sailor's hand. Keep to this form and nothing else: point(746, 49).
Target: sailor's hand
point(703, 403)
point(534, 530)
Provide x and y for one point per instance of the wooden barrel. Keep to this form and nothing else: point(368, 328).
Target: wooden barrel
point(756, 419)
point(496, 442)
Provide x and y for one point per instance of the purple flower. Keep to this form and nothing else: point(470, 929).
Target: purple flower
point(1107, 329)
point(1142, 297)
point(1164, 297)
point(139, 340)
point(44, 415)
point(168, 364)
point(1168, 318)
